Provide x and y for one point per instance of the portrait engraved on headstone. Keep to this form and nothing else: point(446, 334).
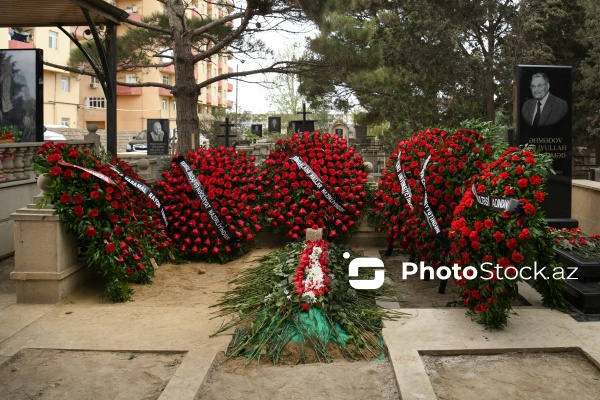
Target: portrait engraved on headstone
point(275, 124)
point(157, 135)
point(543, 118)
point(21, 100)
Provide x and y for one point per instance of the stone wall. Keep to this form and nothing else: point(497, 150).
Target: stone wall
point(123, 137)
point(585, 206)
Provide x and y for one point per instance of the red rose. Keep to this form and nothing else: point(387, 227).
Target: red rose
point(512, 244)
point(305, 307)
point(529, 209)
point(78, 198)
point(78, 211)
point(53, 158)
point(498, 236)
point(535, 180)
point(110, 247)
point(524, 235)
point(94, 213)
point(94, 194)
point(85, 175)
point(65, 198)
point(539, 196)
point(517, 257)
point(522, 183)
point(509, 191)
point(55, 171)
point(90, 232)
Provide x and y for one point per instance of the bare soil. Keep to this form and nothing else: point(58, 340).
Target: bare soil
point(238, 378)
point(531, 376)
point(70, 374)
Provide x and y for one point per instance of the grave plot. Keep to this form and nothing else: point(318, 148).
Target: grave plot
point(84, 374)
point(536, 375)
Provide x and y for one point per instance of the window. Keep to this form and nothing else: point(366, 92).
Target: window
point(131, 78)
point(175, 105)
point(166, 79)
point(65, 83)
point(164, 104)
point(94, 82)
point(95, 102)
point(64, 122)
point(53, 40)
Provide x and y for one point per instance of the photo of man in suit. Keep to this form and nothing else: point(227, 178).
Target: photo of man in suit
point(275, 124)
point(544, 109)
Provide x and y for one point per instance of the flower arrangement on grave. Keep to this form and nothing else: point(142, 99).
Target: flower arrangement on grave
point(315, 179)
point(498, 229)
point(117, 225)
point(576, 241)
point(300, 296)
point(435, 169)
point(217, 219)
point(8, 135)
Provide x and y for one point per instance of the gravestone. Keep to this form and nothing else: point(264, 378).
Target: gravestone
point(256, 129)
point(301, 126)
point(157, 136)
point(361, 134)
point(543, 117)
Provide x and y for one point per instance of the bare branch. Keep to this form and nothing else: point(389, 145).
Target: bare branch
point(154, 28)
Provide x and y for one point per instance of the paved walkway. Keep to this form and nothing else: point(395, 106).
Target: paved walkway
point(149, 323)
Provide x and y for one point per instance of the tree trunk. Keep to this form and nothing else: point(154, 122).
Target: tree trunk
point(185, 89)
point(489, 73)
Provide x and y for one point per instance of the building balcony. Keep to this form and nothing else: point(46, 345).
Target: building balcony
point(135, 16)
point(220, 101)
point(164, 92)
point(16, 44)
point(230, 87)
point(229, 103)
point(220, 85)
point(220, 64)
point(208, 99)
point(170, 68)
point(230, 69)
point(128, 91)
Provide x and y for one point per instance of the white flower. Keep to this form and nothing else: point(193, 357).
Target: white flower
point(309, 297)
point(267, 298)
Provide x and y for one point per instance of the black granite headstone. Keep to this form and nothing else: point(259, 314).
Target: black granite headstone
point(301, 126)
point(157, 136)
point(361, 134)
point(275, 124)
point(543, 118)
point(256, 129)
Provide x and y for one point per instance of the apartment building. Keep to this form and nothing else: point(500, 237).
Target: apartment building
point(74, 100)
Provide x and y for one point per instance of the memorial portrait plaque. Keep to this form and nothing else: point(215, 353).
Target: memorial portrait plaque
point(157, 135)
point(256, 129)
point(543, 118)
point(21, 94)
point(275, 124)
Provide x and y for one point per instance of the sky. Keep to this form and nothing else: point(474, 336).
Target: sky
point(252, 96)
